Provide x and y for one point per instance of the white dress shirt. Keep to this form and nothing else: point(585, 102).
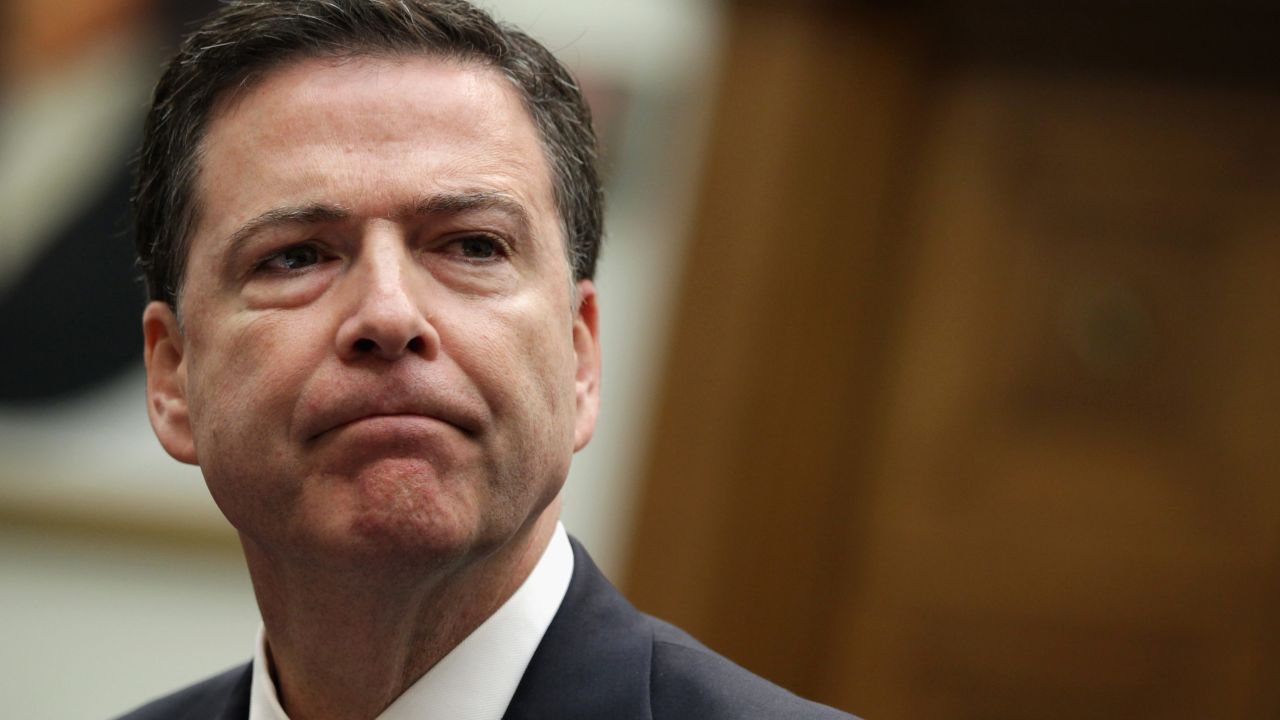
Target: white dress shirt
point(476, 680)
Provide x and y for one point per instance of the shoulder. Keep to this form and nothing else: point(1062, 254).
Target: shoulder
point(603, 658)
point(221, 697)
point(688, 680)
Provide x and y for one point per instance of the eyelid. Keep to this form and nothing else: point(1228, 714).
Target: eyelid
point(261, 264)
point(502, 246)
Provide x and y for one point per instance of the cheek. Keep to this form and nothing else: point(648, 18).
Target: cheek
point(244, 377)
point(525, 352)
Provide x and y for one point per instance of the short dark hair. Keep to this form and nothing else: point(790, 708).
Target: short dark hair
point(245, 39)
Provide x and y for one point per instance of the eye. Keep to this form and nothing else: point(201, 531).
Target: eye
point(297, 257)
point(479, 247)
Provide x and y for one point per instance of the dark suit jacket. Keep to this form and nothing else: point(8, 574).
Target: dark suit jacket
point(600, 659)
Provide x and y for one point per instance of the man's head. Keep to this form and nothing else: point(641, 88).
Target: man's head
point(383, 350)
point(248, 38)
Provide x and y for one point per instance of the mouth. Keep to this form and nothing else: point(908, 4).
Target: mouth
point(392, 422)
point(395, 421)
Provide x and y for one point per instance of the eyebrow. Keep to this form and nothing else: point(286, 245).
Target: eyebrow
point(450, 203)
point(304, 215)
point(435, 204)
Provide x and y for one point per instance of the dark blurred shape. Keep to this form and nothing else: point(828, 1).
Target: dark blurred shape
point(71, 320)
point(1231, 42)
point(70, 315)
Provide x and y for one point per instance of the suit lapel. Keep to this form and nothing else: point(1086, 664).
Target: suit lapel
point(236, 705)
point(594, 660)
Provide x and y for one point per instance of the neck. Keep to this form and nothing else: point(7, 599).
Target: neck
point(346, 645)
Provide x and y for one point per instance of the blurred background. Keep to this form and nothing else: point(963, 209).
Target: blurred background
point(941, 345)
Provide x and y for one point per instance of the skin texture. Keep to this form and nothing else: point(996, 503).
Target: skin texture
point(383, 366)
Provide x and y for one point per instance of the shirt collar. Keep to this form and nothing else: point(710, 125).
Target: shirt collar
point(476, 680)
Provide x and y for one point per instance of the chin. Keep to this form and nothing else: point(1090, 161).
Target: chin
point(421, 537)
point(432, 535)
point(397, 512)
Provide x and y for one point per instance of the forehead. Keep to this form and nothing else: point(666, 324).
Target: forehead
point(423, 86)
point(366, 132)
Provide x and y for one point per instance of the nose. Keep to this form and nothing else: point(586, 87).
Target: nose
point(386, 319)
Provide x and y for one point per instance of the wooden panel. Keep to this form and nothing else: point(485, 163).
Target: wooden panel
point(973, 409)
point(751, 491)
point(1077, 511)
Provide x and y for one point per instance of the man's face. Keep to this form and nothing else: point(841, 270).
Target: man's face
point(380, 348)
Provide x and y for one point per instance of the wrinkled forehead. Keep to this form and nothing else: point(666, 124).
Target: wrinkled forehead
point(322, 92)
point(418, 95)
point(302, 62)
point(367, 136)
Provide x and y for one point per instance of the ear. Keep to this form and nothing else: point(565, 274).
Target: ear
point(163, 352)
point(586, 346)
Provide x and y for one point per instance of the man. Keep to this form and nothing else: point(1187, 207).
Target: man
point(369, 229)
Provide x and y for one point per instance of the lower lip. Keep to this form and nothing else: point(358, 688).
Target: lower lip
point(392, 427)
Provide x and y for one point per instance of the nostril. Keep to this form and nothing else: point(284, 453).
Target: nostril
point(365, 345)
point(416, 345)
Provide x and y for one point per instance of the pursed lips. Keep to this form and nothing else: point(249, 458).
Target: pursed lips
point(340, 415)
